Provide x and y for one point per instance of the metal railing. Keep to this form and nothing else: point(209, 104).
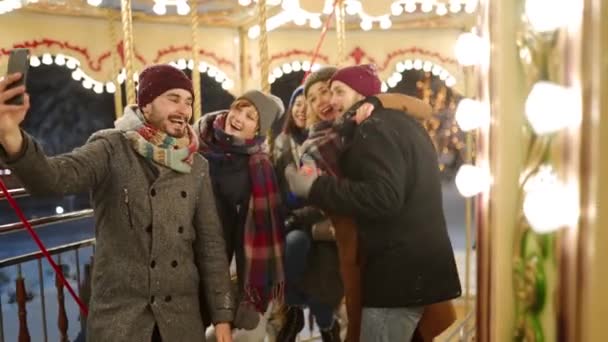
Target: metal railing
point(15, 193)
point(47, 220)
point(21, 295)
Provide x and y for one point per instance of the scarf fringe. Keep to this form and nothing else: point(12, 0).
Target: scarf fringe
point(260, 302)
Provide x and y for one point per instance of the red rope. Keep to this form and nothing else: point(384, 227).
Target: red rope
point(321, 39)
point(43, 249)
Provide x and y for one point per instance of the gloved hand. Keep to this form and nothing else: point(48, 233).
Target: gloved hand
point(300, 181)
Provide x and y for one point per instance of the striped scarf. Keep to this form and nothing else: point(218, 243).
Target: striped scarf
point(264, 231)
point(151, 143)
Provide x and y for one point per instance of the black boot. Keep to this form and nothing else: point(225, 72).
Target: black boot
point(333, 334)
point(294, 322)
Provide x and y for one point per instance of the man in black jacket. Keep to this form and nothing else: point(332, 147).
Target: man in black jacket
point(391, 186)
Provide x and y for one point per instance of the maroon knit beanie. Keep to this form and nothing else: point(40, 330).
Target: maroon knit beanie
point(362, 78)
point(157, 79)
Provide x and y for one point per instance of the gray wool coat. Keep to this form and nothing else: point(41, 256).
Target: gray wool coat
point(158, 240)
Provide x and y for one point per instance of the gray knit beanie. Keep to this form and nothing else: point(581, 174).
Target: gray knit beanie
point(269, 108)
point(322, 75)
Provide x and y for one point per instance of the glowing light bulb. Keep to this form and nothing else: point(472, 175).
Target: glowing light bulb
point(470, 115)
point(471, 180)
point(551, 107)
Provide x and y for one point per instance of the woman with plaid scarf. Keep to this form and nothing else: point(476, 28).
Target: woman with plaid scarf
point(247, 197)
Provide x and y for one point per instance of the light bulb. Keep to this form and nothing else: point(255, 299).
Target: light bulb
point(400, 67)
point(469, 49)
point(277, 73)
point(60, 59)
point(470, 115)
point(47, 59)
point(396, 9)
point(227, 84)
point(427, 6)
point(87, 83)
point(385, 23)
point(471, 180)
point(551, 107)
point(436, 70)
point(455, 7)
point(315, 22)
point(384, 87)
point(427, 66)
point(98, 88)
point(94, 2)
point(417, 64)
point(77, 75)
point(408, 65)
point(450, 82)
point(159, 9)
point(110, 87)
point(549, 15)
point(366, 25)
point(287, 68)
point(299, 20)
point(441, 10)
point(71, 63)
point(183, 8)
point(353, 7)
point(34, 61)
point(548, 203)
point(253, 32)
point(59, 210)
point(296, 65)
point(470, 6)
point(244, 2)
point(410, 7)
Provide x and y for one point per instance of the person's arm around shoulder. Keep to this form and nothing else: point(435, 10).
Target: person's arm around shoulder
point(210, 252)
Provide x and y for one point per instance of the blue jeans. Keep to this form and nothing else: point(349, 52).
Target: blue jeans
point(297, 246)
point(389, 324)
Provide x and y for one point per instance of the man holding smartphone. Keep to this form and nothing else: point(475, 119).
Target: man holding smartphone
point(158, 237)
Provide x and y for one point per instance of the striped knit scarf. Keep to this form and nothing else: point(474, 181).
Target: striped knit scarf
point(264, 231)
point(174, 153)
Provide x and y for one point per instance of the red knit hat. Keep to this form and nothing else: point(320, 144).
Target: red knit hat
point(362, 78)
point(157, 79)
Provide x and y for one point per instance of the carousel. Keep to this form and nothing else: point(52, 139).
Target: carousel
point(518, 120)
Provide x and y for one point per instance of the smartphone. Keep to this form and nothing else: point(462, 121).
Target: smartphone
point(18, 61)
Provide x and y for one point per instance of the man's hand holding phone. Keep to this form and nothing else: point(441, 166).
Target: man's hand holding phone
point(12, 115)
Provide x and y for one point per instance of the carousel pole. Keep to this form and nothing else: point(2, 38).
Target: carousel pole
point(115, 64)
point(196, 76)
point(264, 59)
point(341, 31)
point(128, 51)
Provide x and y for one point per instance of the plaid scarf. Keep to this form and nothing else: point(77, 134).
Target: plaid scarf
point(323, 148)
point(174, 153)
point(264, 231)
